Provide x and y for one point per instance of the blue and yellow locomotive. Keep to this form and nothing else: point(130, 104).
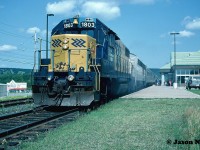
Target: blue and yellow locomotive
point(88, 64)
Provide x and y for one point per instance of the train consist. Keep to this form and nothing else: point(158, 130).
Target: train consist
point(88, 64)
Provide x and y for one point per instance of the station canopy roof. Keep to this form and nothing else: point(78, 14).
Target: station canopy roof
point(182, 59)
point(186, 58)
point(166, 68)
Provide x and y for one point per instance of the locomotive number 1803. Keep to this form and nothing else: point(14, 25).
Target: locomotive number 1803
point(87, 24)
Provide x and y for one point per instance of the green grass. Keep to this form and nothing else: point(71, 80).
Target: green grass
point(127, 124)
point(196, 91)
point(13, 97)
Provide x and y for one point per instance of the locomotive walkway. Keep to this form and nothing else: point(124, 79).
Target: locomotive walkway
point(162, 92)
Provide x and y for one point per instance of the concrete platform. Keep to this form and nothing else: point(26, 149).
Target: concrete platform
point(162, 92)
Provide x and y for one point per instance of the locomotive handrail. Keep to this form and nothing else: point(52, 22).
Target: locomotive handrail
point(39, 59)
point(98, 76)
point(96, 69)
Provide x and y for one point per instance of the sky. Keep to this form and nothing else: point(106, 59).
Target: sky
point(144, 26)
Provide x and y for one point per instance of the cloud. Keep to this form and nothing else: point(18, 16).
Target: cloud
point(142, 2)
point(61, 7)
point(194, 24)
point(32, 30)
point(106, 10)
point(102, 9)
point(186, 33)
point(190, 23)
point(6, 47)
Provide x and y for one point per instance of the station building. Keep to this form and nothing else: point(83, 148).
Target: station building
point(187, 64)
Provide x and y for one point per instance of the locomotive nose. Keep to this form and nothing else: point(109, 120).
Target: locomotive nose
point(72, 51)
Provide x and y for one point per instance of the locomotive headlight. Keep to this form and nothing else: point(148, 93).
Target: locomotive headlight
point(70, 77)
point(49, 78)
point(65, 41)
point(65, 46)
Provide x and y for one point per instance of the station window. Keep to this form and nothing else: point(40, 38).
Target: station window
point(177, 71)
point(182, 79)
point(183, 71)
point(187, 71)
point(191, 72)
point(196, 71)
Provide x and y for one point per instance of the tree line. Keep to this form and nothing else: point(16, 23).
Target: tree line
point(18, 75)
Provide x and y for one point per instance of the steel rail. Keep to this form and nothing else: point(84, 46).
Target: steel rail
point(35, 122)
point(16, 102)
point(22, 113)
point(15, 114)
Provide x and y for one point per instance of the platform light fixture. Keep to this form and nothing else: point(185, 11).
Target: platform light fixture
point(174, 34)
point(47, 35)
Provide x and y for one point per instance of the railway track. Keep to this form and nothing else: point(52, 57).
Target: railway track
point(24, 125)
point(16, 102)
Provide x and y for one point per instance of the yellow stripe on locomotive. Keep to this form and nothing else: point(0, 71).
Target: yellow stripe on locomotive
point(72, 51)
